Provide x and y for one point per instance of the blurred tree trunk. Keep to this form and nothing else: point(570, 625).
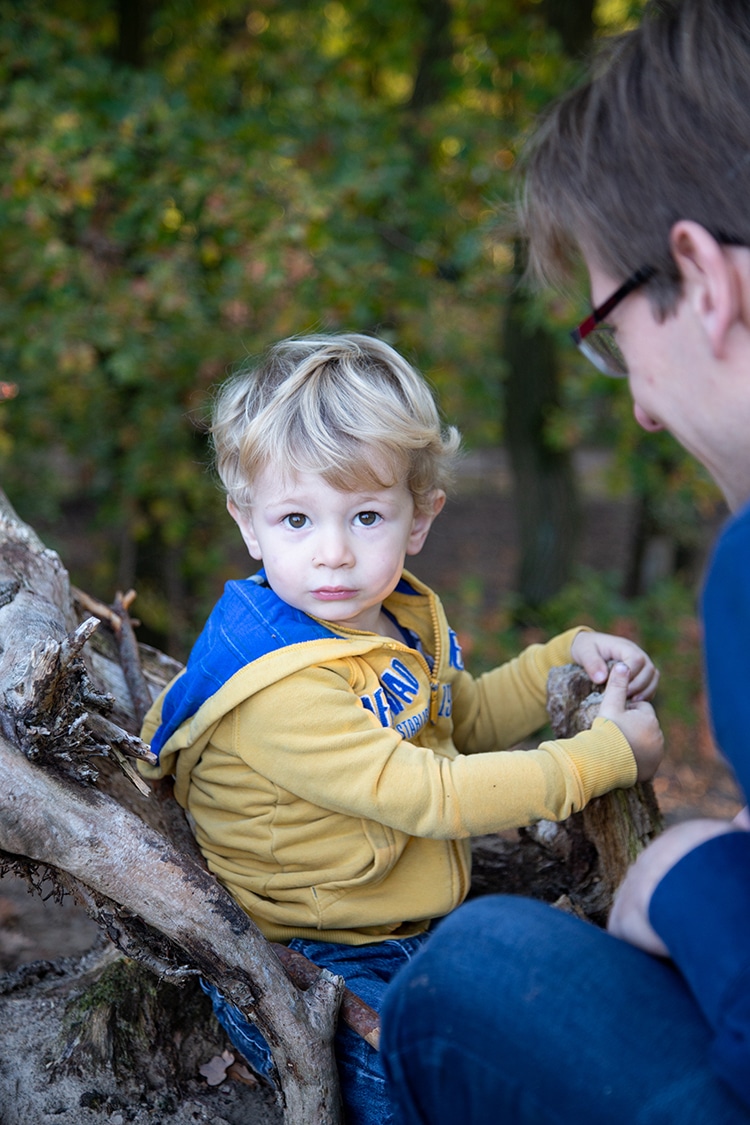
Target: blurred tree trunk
point(433, 71)
point(546, 497)
point(132, 29)
point(573, 20)
point(668, 535)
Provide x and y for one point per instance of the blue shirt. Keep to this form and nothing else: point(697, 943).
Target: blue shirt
point(701, 909)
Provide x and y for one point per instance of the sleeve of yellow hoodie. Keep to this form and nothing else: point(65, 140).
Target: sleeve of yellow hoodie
point(332, 752)
point(508, 704)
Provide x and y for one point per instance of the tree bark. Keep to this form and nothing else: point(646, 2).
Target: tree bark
point(579, 863)
point(158, 903)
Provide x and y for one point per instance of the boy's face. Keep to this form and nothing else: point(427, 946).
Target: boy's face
point(335, 555)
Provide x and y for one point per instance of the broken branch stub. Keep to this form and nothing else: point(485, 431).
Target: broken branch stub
point(616, 826)
point(579, 863)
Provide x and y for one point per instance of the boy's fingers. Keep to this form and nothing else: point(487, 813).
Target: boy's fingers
point(593, 663)
point(598, 672)
point(616, 692)
point(644, 686)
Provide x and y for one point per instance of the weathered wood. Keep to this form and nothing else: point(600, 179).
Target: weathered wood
point(580, 862)
point(155, 900)
point(616, 826)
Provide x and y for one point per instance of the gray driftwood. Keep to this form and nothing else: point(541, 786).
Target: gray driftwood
point(153, 898)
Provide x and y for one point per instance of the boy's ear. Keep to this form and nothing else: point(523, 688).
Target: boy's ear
point(711, 281)
point(422, 521)
point(247, 531)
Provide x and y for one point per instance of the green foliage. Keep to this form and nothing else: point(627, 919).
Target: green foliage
point(663, 621)
point(273, 168)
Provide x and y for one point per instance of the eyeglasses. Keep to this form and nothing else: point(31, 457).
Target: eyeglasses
point(596, 340)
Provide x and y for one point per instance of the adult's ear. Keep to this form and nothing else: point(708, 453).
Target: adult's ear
point(712, 281)
point(247, 531)
point(423, 520)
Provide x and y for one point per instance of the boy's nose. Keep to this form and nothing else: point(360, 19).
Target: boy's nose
point(332, 549)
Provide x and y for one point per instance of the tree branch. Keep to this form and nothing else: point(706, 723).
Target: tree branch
point(125, 868)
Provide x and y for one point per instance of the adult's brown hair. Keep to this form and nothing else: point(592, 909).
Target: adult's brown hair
point(661, 132)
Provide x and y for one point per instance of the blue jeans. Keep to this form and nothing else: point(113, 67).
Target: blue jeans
point(367, 970)
point(517, 1013)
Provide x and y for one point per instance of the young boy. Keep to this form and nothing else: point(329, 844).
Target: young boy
point(333, 753)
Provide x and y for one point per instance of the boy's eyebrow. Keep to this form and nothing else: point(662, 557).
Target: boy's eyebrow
point(284, 502)
point(362, 496)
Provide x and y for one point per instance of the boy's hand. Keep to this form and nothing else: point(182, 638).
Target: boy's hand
point(636, 720)
point(594, 651)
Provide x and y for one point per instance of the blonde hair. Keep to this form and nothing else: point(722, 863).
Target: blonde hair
point(348, 407)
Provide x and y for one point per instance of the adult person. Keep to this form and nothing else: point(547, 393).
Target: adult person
point(515, 1012)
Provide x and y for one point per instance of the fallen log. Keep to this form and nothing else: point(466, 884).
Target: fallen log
point(157, 902)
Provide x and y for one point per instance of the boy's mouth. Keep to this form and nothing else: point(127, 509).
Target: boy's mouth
point(333, 593)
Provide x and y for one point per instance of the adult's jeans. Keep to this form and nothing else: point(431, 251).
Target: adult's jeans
point(518, 1013)
point(367, 970)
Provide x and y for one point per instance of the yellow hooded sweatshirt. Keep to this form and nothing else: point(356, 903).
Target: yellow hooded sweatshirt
point(334, 777)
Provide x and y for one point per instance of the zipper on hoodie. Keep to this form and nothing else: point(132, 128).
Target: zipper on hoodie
point(401, 646)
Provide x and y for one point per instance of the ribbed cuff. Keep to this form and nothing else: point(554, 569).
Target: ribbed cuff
point(603, 758)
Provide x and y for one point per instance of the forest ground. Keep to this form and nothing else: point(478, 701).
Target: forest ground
point(474, 538)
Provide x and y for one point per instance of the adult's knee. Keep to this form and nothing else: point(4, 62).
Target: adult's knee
point(457, 1008)
point(490, 933)
point(500, 919)
point(472, 960)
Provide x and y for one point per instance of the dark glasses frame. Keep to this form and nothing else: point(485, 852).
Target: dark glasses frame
point(614, 364)
point(601, 312)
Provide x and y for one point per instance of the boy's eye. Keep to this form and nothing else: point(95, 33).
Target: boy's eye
point(367, 519)
point(295, 520)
